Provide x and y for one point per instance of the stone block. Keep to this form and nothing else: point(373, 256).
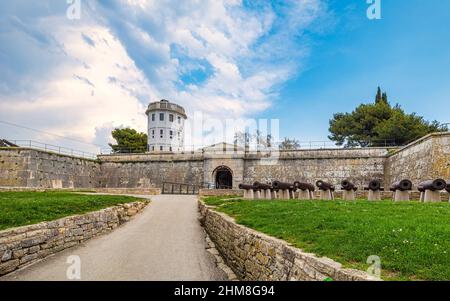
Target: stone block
point(401, 196)
point(429, 196)
point(9, 266)
point(374, 195)
point(305, 195)
point(326, 195)
point(348, 195)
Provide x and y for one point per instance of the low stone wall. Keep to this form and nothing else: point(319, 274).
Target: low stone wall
point(255, 256)
point(25, 245)
point(221, 192)
point(138, 191)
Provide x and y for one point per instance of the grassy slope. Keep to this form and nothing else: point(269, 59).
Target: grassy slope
point(412, 239)
point(25, 208)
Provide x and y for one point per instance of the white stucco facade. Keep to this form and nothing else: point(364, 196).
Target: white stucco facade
point(165, 126)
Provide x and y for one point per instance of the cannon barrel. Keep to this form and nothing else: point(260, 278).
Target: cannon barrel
point(433, 185)
point(282, 185)
point(262, 186)
point(304, 186)
point(247, 187)
point(324, 185)
point(448, 187)
point(347, 185)
point(402, 185)
point(374, 185)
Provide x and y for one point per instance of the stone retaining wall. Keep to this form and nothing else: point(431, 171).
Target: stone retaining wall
point(221, 192)
point(25, 245)
point(138, 191)
point(255, 256)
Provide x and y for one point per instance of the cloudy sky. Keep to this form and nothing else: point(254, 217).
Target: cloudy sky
point(299, 61)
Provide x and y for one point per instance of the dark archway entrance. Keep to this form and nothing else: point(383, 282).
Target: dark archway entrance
point(224, 178)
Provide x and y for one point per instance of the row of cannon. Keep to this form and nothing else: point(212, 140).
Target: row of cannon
point(429, 190)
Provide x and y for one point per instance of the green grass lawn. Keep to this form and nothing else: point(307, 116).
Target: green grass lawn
point(411, 238)
point(26, 208)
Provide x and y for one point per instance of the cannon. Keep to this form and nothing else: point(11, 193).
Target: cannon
point(262, 186)
point(374, 185)
point(433, 185)
point(326, 190)
point(304, 186)
point(374, 188)
point(347, 185)
point(448, 188)
point(401, 190)
point(265, 190)
point(349, 190)
point(284, 189)
point(247, 187)
point(249, 191)
point(430, 190)
point(305, 190)
point(325, 186)
point(403, 185)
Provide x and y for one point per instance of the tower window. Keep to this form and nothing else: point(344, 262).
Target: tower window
point(179, 119)
point(171, 117)
point(161, 116)
point(170, 148)
point(161, 148)
point(153, 117)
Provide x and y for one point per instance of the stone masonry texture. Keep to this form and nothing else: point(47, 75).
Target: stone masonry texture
point(254, 256)
point(424, 159)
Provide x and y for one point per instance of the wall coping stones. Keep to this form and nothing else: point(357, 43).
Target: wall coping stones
point(107, 190)
point(21, 148)
point(418, 141)
point(256, 256)
point(22, 246)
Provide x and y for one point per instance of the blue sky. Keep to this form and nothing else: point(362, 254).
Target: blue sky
point(298, 60)
point(407, 53)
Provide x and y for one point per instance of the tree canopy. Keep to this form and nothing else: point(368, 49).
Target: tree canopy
point(379, 124)
point(289, 144)
point(129, 141)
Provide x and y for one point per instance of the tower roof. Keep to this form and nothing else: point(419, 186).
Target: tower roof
point(165, 105)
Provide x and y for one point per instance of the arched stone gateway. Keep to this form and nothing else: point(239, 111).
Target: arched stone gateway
point(223, 177)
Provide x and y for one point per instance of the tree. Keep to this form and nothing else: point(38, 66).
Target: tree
point(379, 96)
point(129, 141)
point(378, 124)
point(404, 128)
point(289, 144)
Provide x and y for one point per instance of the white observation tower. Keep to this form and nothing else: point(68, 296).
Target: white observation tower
point(165, 126)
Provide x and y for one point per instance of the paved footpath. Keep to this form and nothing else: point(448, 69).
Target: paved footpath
point(164, 242)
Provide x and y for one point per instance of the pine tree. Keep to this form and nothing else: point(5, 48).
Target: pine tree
point(379, 97)
point(384, 98)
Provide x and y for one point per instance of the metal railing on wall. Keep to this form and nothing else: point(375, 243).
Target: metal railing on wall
point(53, 148)
point(190, 149)
point(186, 188)
point(230, 148)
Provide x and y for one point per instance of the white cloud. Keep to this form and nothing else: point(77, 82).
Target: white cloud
point(90, 75)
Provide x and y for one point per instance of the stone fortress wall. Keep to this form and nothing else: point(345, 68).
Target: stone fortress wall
point(426, 158)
